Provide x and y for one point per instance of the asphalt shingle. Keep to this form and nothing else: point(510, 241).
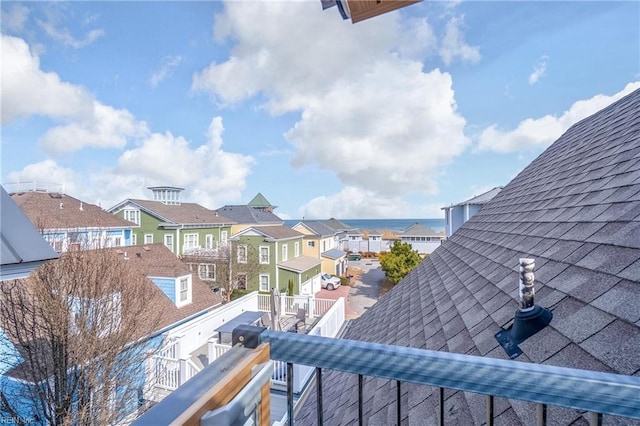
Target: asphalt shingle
point(573, 210)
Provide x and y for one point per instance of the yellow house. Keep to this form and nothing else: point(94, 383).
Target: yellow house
point(322, 242)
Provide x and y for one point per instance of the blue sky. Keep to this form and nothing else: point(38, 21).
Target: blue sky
point(393, 117)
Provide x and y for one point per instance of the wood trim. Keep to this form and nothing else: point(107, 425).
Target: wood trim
point(226, 389)
point(365, 9)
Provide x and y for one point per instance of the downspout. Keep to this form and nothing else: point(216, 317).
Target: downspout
point(275, 256)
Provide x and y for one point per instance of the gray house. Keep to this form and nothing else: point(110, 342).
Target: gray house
point(457, 214)
point(575, 210)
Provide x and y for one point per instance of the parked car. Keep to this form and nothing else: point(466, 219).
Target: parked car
point(329, 282)
point(354, 256)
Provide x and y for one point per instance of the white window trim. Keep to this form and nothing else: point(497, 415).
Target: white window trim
point(260, 255)
point(246, 253)
point(208, 241)
point(136, 215)
point(178, 289)
point(285, 252)
point(241, 274)
point(192, 243)
point(148, 237)
point(169, 237)
point(296, 249)
point(260, 282)
point(204, 270)
point(134, 239)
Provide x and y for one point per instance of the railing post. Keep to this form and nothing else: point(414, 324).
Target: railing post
point(360, 400)
point(312, 304)
point(290, 392)
point(183, 371)
point(441, 406)
point(211, 349)
point(490, 410)
point(319, 395)
point(398, 402)
point(542, 414)
point(595, 419)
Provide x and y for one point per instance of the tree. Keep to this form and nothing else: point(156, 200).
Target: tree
point(399, 261)
point(78, 326)
point(236, 265)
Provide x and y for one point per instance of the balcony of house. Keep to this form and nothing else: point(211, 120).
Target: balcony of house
point(194, 346)
point(210, 397)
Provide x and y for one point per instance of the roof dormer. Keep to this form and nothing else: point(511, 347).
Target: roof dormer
point(169, 195)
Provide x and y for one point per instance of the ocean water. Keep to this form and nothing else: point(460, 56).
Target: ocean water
point(380, 224)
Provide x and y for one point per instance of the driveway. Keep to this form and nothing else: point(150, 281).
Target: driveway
point(366, 279)
point(366, 282)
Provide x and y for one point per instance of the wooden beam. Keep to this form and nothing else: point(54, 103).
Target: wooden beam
point(226, 389)
point(365, 9)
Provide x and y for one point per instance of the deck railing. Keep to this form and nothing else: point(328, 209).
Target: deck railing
point(594, 392)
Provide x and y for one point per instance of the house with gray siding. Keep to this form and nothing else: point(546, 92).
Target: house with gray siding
point(574, 210)
point(457, 214)
point(421, 238)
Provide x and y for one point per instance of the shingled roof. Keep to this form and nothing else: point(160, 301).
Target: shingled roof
point(183, 213)
point(576, 210)
point(249, 216)
point(49, 210)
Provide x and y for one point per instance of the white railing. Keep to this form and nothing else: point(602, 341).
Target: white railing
point(322, 306)
point(167, 372)
point(289, 305)
point(192, 369)
point(218, 350)
point(328, 326)
point(170, 350)
point(264, 302)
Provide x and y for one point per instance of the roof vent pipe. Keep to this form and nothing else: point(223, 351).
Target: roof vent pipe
point(529, 318)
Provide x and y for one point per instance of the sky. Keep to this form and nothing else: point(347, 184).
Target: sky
point(393, 117)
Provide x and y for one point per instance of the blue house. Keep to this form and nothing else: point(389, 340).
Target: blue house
point(168, 295)
point(68, 223)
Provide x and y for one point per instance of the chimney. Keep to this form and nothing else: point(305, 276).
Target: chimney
point(529, 318)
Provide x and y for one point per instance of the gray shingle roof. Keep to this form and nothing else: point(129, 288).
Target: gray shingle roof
point(249, 215)
point(418, 230)
point(576, 210)
point(483, 198)
point(318, 227)
point(22, 248)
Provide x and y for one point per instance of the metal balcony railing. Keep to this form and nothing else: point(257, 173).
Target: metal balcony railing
point(594, 392)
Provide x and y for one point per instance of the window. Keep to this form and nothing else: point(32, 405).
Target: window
point(296, 249)
point(208, 241)
point(223, 237)
point(134, 239)
point(148, 238)
point(207, 271)
point(132, 216)
point(264, 282)
point(264, 255)
point(101, 314)
point(311, 243)
point(184, 290)
point(168, 241)
point(285, 252)
point(242, 254)
point(191, 241)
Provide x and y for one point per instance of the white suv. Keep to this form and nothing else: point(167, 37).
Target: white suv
point(329, 282)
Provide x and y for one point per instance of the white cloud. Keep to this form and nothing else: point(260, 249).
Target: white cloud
point(211, 174)
point(368, 111)
point(539, 70)
point(353, 202)
point(454, 46)
point(541, 132)
point(54, 28)
point(27, 90)
point(169, 64)
point(47, 171)
point(14, 18)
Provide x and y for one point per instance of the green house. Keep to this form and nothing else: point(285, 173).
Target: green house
point(276, 255)
point(184, 228)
